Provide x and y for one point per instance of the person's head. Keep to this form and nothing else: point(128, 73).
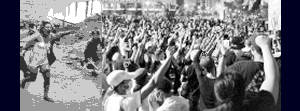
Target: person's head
point(236, 43)
point(45, 29)
point(208, 64)
point(230, 58)
point(95, 34)
point(229, 90)
point(165, 89)
point(119, 80)
point(140, 80)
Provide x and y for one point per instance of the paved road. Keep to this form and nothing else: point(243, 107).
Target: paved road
point(73, 97)
point(70, 93)
point(71, 89)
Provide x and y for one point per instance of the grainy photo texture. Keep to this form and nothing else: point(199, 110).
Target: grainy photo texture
point(150, 55)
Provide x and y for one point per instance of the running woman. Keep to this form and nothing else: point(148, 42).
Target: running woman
point(37, 49)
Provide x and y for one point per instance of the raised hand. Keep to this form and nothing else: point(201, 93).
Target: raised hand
point(262, 41)
point(108, 47)
point(222, 48)
point(170, 51)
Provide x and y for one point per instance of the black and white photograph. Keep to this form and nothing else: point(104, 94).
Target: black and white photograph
point(150, 55)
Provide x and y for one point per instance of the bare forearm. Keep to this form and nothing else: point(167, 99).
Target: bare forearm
point(221, 65)
point(190, 50)
point(159, 75)
point(269, 65)
point(103, 61)
point(29, 38)
point(197, 65)
point(60, 34)
point(133, 55)
point(271, 82)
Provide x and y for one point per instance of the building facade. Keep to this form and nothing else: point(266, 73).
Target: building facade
point(134, 5)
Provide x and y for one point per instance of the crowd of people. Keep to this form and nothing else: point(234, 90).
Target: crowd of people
point(159, 63)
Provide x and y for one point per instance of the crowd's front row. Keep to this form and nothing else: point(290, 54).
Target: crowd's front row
point(221, 87)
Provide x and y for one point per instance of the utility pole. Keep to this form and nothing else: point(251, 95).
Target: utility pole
point(92, 6)
point(76, 6)
point(86, 9)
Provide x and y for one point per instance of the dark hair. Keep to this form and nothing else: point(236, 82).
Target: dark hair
point(165, 86)
point(42, 26)
point(229, 91)
point(31, 25)
point(226, 36)
point(230, 58)
point(141, 83)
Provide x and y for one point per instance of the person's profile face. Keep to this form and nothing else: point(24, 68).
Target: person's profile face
point(47, 29)
point(48, 26)
point(125, 84)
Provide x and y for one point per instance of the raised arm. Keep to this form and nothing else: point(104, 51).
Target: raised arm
point(176, 55)
point(196, 63)
point(36, 35)
point(116, 37)
point(191, 49)
point(271, 83)
point(221, 65)
point(157, 77)
point(133, 55)
point(105, 55)
point(61, 34)
point(139, 53)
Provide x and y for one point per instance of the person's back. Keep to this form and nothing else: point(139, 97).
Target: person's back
point(190, 90)
point(252, 72)
point(205, 71)
point(206, 99)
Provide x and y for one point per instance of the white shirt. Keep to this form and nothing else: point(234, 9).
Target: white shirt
point(174, 103)
point(246, 49)
point(128, 102)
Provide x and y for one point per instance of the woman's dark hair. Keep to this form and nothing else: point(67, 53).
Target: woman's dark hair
point(140, 83)
point(230, 58)
point(42, 26)
point(229, 91)
point(165, 86)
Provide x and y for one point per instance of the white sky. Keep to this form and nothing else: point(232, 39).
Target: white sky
point(34, 9)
